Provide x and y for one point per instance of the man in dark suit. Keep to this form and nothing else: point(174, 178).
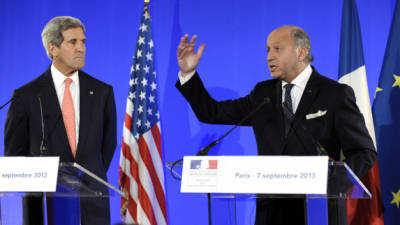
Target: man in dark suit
point(79, 117)
point(303, 110)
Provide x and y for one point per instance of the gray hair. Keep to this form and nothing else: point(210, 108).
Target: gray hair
point(302, 40)
point(52, 32)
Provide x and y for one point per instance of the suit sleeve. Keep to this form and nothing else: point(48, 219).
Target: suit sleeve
point(16, 130)
point(110, 129)
point(208, 110)
point(356, 143)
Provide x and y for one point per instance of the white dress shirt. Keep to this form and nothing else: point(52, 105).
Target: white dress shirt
point(185, 79)
point(299, 83)
point(59, 84)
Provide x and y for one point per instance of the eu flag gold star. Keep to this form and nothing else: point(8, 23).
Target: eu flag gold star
point(397, 81)
point(396, 198)
point(378, 89)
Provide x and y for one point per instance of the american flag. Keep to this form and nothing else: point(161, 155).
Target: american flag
point(141, 166)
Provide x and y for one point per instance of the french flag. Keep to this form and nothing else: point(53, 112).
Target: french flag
point(352, 72)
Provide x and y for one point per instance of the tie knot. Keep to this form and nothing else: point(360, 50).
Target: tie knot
point(288, 87)
point(68, 82)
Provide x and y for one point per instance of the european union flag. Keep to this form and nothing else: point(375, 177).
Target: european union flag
point(386, 111)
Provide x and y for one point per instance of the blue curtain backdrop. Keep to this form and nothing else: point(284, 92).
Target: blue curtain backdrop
point(235, 33)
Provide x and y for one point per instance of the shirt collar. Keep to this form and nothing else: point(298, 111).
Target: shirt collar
point(59, 78)
point(302, 79)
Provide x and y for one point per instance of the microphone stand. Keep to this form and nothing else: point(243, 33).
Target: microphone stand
point(320, 150)
point(43, 152)
point(4, 105)
point(1, 107)
point(204, 151)
point(43, 146)
point(34, 200)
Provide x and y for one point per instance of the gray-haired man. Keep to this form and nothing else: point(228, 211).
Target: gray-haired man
point(296, 91)
point(79, 117)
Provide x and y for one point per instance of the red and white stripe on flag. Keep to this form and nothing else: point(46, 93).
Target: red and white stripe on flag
point(142, 177)
point(352, 72)
point(141, 165)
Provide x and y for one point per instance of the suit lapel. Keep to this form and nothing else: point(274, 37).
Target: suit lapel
point(308, 97)
point(87, 94)
point(280, 121)
point(51, 110)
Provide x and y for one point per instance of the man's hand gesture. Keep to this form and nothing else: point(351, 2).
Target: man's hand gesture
point(187, 58)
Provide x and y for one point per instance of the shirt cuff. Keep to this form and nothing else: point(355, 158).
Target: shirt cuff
point(184, 79)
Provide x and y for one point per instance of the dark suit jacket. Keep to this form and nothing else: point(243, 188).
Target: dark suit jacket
point(97, 132)
point(342, 128)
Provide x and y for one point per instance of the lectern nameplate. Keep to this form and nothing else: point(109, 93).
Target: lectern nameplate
point(255, 174)
point(28, 174)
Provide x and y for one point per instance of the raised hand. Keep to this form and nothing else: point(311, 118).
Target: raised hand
point(187, 58)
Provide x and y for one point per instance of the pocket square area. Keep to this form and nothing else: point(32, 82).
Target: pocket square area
point(315, 115)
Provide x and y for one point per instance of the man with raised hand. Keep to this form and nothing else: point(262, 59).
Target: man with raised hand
point(305, 109)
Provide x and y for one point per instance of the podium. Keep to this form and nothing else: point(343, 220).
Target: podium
point(73, 182)
point(341, 183)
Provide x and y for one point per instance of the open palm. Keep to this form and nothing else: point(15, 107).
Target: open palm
point(187, 58)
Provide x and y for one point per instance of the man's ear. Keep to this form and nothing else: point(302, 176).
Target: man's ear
point(302, 54)
point(53, 49)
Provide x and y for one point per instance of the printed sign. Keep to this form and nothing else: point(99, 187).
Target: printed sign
point(28, 174)
point(255, 174)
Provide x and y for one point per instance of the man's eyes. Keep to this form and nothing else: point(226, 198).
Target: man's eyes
point(74, 41)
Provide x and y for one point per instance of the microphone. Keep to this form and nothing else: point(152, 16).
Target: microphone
point(320, 149)
point(205, 150)
point(8, 102)
point(43, 146)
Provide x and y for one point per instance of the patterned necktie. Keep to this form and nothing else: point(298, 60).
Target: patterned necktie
point(69, 116)
point(288, 108)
